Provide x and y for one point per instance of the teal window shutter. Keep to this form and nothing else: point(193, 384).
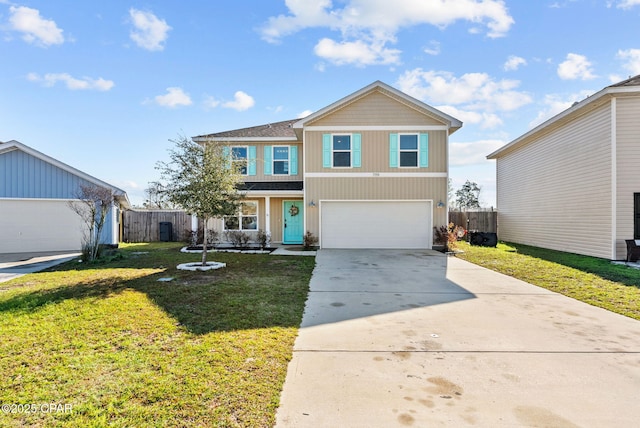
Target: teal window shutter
point(251, 161)
point(356, 150)
point(268, 162)
point(424, 150)
point(293, 160)
point(226, 153)
point(393, 150)
point(326, 150)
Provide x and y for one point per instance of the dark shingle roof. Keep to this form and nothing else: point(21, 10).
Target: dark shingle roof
point(632, 81)
point(271, 185)
point(271, 130)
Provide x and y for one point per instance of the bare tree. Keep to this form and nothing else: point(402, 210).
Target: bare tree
point(201, 181)
point(156, 198)
point(92, 204)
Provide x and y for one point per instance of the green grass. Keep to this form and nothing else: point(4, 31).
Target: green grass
point(206, 349)
point(589, 279)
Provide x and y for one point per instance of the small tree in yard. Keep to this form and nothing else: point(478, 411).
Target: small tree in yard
point(200, 180)
point(92, 205)
point(468, 196)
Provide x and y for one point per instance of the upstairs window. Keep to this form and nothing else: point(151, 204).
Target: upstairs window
point(281, 160)
point(408, 150)
point(341, 151)
point(239, 158)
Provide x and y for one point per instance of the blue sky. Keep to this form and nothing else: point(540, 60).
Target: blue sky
point(104, 86)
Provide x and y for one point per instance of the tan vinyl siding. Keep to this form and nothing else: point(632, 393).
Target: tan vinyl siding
point(556, 192)
point(375, 152)
point(376, 108)
point(628, 171)
point(374, 188)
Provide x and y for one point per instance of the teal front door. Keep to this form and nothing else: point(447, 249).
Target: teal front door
point(293, 226)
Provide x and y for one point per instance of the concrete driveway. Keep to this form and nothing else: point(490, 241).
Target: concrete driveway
point(14, 265)
point(415, 338)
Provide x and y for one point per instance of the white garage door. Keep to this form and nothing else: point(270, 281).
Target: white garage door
point(375, 224)
point(38, 225)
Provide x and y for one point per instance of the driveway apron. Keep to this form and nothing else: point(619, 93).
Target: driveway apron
point(416, 338)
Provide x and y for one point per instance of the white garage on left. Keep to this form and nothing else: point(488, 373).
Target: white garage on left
point(35, 191)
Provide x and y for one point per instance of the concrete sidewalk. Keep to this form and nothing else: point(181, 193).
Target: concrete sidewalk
point(14, 265)
point(415, 338)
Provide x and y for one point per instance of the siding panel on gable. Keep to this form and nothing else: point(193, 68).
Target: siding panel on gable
point(28, 177)
point(556, 192)
point(376, 108)
point(628, 171)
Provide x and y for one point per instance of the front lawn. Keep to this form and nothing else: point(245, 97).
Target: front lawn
point(113, 346)
point(589, 279)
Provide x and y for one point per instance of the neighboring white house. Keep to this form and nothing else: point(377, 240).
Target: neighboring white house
point(34, 193)
point(573, 183)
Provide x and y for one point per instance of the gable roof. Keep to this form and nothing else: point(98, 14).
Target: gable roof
point(121, 195)
point(276, 131)
point(291, 130)
point(631, 86)
point(453, 123)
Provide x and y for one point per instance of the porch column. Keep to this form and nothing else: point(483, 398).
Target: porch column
point(267, 212)
point(194, 223)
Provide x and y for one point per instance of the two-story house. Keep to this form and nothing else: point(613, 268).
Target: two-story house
point(368, 171)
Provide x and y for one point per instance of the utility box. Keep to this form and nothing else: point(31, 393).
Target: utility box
point(166, 231)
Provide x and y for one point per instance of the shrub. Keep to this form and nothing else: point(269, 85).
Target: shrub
point(213, 236)
point(263, 239)
point(448, 235)
point(238, 238)
point(309, 240)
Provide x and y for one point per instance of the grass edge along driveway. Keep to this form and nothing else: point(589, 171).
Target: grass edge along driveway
point(110, 343)
point(595, 281)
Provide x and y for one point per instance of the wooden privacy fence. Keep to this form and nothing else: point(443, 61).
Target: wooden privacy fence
point(144, 225)
point(479, 221)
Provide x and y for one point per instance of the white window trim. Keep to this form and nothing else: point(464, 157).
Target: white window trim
point(274, 160)
point(343, 151)
point(239, 216)
point(417, 151)
point(233, 159)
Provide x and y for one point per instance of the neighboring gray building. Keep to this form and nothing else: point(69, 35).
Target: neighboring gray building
point(34, 193)
point(573, 183)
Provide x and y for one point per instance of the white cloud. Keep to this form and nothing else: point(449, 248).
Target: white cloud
point(242, 101)
point(631, 58)
point(433, 48)
point(34, 28)
point(75, 84)
point(474, 91)
point(557, 103)
point(514, 62)
point(576, 67)
point(627, 4)
point(149, 31)
point(472, 153)
point(304, 114)
point(174, 97)
point(367, 26)
point(484, 119)
point(358, 53)
point(211, 102)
